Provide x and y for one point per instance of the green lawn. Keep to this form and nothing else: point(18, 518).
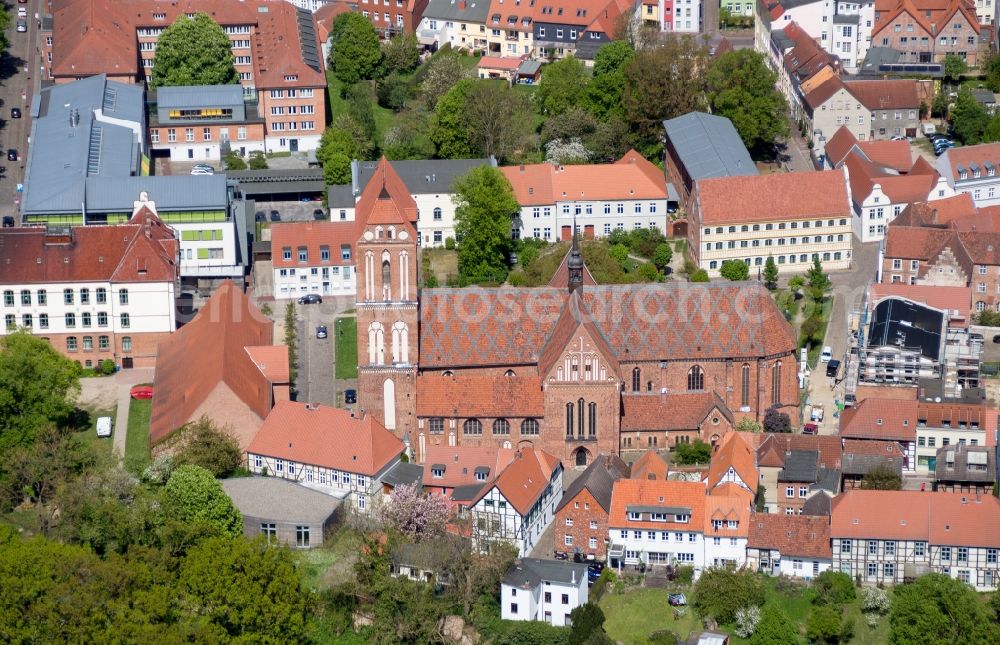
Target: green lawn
point(137, 440)
point(330, 564)
point(346, 348)
point(633, 615)
point(101, 445)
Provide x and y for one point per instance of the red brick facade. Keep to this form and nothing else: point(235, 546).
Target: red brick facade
point(140, 347)
point(585, 523)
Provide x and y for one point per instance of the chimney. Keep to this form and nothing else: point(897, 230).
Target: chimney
point(574, 576)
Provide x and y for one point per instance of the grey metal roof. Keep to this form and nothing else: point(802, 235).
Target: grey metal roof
point(466, 493)
point(709, 146)
point(422, 177)
point(817, 505)
point(966, 464)
point(530, 67)
point(70, 142)
point(847, 19)
point(404, 473)
point(781, 41)
point(597, 479)
point(474, 10)
point(984, 96)
point(531, 572)
point(174, 192)
point(800, 466)
point(279, 499)
point(185, 96)
point(587, 49)
point(340, 196)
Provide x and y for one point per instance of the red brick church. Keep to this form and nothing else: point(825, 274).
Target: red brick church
point(575, 368)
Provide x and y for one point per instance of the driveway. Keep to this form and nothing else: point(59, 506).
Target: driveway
point(316, 355)
point(125, 379)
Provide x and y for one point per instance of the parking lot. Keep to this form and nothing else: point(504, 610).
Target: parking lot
point(317, 355)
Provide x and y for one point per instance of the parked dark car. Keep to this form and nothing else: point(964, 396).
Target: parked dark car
point(318, 214)
point(321, 331)
point(350, 397)
point(996, 339)
point(310, 299)
point(8, 221)
point(15, 113)
point(260, 216)
point(275, 216)
point(12, 154)
point(832, 368)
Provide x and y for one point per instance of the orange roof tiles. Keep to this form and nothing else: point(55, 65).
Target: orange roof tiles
point(649, 466)
point(928, 14)
point(951, 519)
point(918, 243)
point(683, 411)
point(313, 236)
point(982, 220)
point(524, 479)
point(328, 437)
point(627, 179)
point(667, 494)
point(732, 507)
point(939, 212)
point(892, 154)
point(791, 535)
point(839, 145)
point(479, 396)
point(886, 419)
point(772, 447)
point(733, 453)
point(947, 298)
point(767, 198)
point(461, 463)
point(208, 351)
point(505, 63)
point(824, 92)
point(965, 156)
point(144, 250)
point(900, 94)
point(272, 361)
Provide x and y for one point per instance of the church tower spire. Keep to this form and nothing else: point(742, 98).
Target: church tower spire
point(574, 263)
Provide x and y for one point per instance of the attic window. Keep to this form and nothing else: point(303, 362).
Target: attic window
point(878, 421)
point(159, 16)
point(906, 422)
point(580, 13)
point(291, 77)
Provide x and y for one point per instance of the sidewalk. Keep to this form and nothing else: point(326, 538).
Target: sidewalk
point(125, 379)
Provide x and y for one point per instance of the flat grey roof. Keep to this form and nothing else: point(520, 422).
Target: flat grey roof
point(404, 473)
point(171, 193)
point(709, 146)
point(192, 96)
point(422, 177)
point(531, 572)
point(279, 499)
point(474, 11)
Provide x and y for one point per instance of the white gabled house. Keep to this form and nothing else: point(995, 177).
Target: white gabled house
point(519, 503)
point(545, 590)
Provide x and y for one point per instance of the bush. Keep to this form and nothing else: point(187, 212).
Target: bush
point(449, 243)
point(734, 270)
point(533, 633)
point(720, 593)
point(698, 275)
point(601, 584)
point(684, 574)
point(233, 161)
point(776, 421)
point(107, 367)
point(875, 600)
point(258, 161)
point(834, 588)
point(746, 621)
point(697, 452)
point(662, 637)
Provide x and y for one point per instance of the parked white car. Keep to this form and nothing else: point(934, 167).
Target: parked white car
point(826, 354)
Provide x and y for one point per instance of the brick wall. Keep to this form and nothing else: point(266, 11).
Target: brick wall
point(582, 510)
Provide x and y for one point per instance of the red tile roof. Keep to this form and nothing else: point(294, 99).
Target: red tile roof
point(880, 94)
point(771, 448)
point(891, 154)
point(649, 466)
point(643, 492)
point(982, 220)
point(886, 419)
point(210, 350)
point(575, 323)
point(328, 437)
point(803, 536)
point(99, 36)
point(928, 14)
point(768, 198)
point(628, 179)
point(683, 411)
point(981, 247)
point(731, 507)
point(839, 145)
point(947, 298)
point(272, 361)
point(313, 236)
point(505, 63)
point(952, 519)
point(918, 243)
point(560, 279)
point(512, 326)
point(967, 155)
point(461, 462)
point(733, 452)
point(144, 250)
point(523, 480)
point(824, 92)
point(939, 212)
point(479, 396)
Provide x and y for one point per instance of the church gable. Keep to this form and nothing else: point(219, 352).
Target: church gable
point(581, 358)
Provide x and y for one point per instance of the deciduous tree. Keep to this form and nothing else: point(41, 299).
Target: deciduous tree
point(734, 270)
point(193, 496)
point(485, 202)
point(441, 73)
point(497, 120)
point(662, 256)
point(202, 443)
point(400, 54)
point(449, 131)
point(355, 54)
point(937, 609)
point(414, 514)
point(882, 477)
point(774, 628)
point(562, 84)
point(776, 421)
point(194, 51)
point(742, 88)
point(969, 118)
point(720, 592)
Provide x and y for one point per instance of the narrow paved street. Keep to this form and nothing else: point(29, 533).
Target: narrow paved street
point(20, 75)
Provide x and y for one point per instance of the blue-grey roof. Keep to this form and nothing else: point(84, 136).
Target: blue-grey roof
point(188, 96)
point(422, 177)
point(800, 466)
point(272, 498)
point(473, 10)
point(709, 146)
point(73, 138)
point(531, 572)
point(171, 193)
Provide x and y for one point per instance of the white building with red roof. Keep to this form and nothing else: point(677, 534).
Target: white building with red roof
point(881, 536)
point(974, 170)
point(519, 502)
point(95, 292)
point(328, 449)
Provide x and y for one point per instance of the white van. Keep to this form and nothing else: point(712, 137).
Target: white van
point(104, 426)
point(928, 129)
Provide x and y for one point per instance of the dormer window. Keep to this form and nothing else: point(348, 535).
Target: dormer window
point(634, 516)
point(159, 16)
point(437, 473)
point(682, 519)
point(962, 174)
point(291, 77)
point(657, 517)
point(975, 174)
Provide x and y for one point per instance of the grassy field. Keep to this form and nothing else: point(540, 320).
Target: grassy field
point(346, 348)
point(137, 440)
point(330, 564)
point(101, 445)
point(443, 264)
point(633, 615)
